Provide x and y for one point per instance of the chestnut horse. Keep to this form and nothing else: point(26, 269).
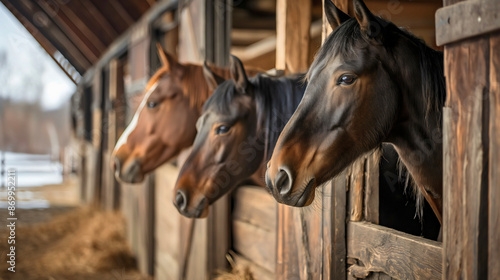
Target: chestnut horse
point(165, 121)
point(237, 131)
point(370, 83)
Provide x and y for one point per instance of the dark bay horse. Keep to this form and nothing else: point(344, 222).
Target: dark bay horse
point(237, 131)
point(165, 121)
point(371, 82)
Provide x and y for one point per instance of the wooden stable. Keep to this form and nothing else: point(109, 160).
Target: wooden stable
point(339, 236)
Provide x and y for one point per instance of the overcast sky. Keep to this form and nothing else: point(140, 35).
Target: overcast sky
point(27, 60)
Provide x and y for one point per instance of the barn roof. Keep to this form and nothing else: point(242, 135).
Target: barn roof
point(76, 33)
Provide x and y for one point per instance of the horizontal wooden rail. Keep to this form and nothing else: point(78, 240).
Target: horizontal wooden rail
point(466, 19)
point(399, 255)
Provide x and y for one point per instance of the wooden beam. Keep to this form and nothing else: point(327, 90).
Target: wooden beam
point(90, 49)
point(494, 160)
point(466, 19)
point(400, 255)
point(122, 12)
point(292, 35)
point(100, 18)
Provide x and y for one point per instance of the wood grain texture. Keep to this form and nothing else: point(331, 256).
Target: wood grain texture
point(371, 182)
point(254, 205)
point(255, 244)
point(466, 147)
point(334, 228)
point(356, 190)
point(494, 160)
point(466, 19)
point(397, 254)
point(167, 225)
point(293, 20)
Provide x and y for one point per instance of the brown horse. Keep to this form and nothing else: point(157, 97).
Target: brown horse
point(371, 82)
point(165, 121)
point(237, 131)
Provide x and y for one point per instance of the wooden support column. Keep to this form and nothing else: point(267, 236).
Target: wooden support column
point(293, 21)
point(471, 208)
point(115, 126)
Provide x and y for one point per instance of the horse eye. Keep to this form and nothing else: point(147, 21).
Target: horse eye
point(152, 104)
point(346, 80)
point(222, 129)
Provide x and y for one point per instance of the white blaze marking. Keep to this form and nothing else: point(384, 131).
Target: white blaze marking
point(133, 122)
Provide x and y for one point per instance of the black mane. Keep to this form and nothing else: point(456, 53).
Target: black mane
point(276, 100)
point(348, 37)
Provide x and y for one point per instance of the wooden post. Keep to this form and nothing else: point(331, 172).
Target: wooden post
point(293, 21)
point(96, 150)
point(471, 243)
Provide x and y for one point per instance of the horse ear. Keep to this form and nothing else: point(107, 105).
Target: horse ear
point(334, 15)
point(367, 21)
point(213, 80)
point(238, 74)
point(167, 60)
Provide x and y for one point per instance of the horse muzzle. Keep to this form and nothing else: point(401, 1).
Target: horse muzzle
point(282, 188)
point(183, 200)
point(130, 172)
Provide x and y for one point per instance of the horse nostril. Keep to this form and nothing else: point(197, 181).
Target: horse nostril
point(283, 182)
point(181, 200)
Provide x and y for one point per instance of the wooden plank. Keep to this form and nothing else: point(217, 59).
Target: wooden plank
point(494, 160)
point(466, 19)
point(218, 235)
point(465, 162)
point(100, 18)
point(334, 228)
point(145, 226)
point(371, 203)
point(293, 20)
point(254, 205)
point(122, 12)
point(356, 190)
point(257, 271)
point(255, 243)
point(397, 254)
point(167, 225)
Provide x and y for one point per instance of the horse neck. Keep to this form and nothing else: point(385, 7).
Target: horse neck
point(277, 99)
point(418, 134)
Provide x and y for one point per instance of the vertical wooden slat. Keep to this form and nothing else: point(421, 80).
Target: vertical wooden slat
point(465, 185)
point(494, 160)
point(334, 227)
point(371, 182)
point(292, 35)
point(97, 88)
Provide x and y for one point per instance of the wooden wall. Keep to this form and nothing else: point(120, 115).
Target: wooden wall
point(470, 32)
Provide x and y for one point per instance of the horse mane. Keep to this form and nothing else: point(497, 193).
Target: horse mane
point(275, 98)
point(345, 39)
